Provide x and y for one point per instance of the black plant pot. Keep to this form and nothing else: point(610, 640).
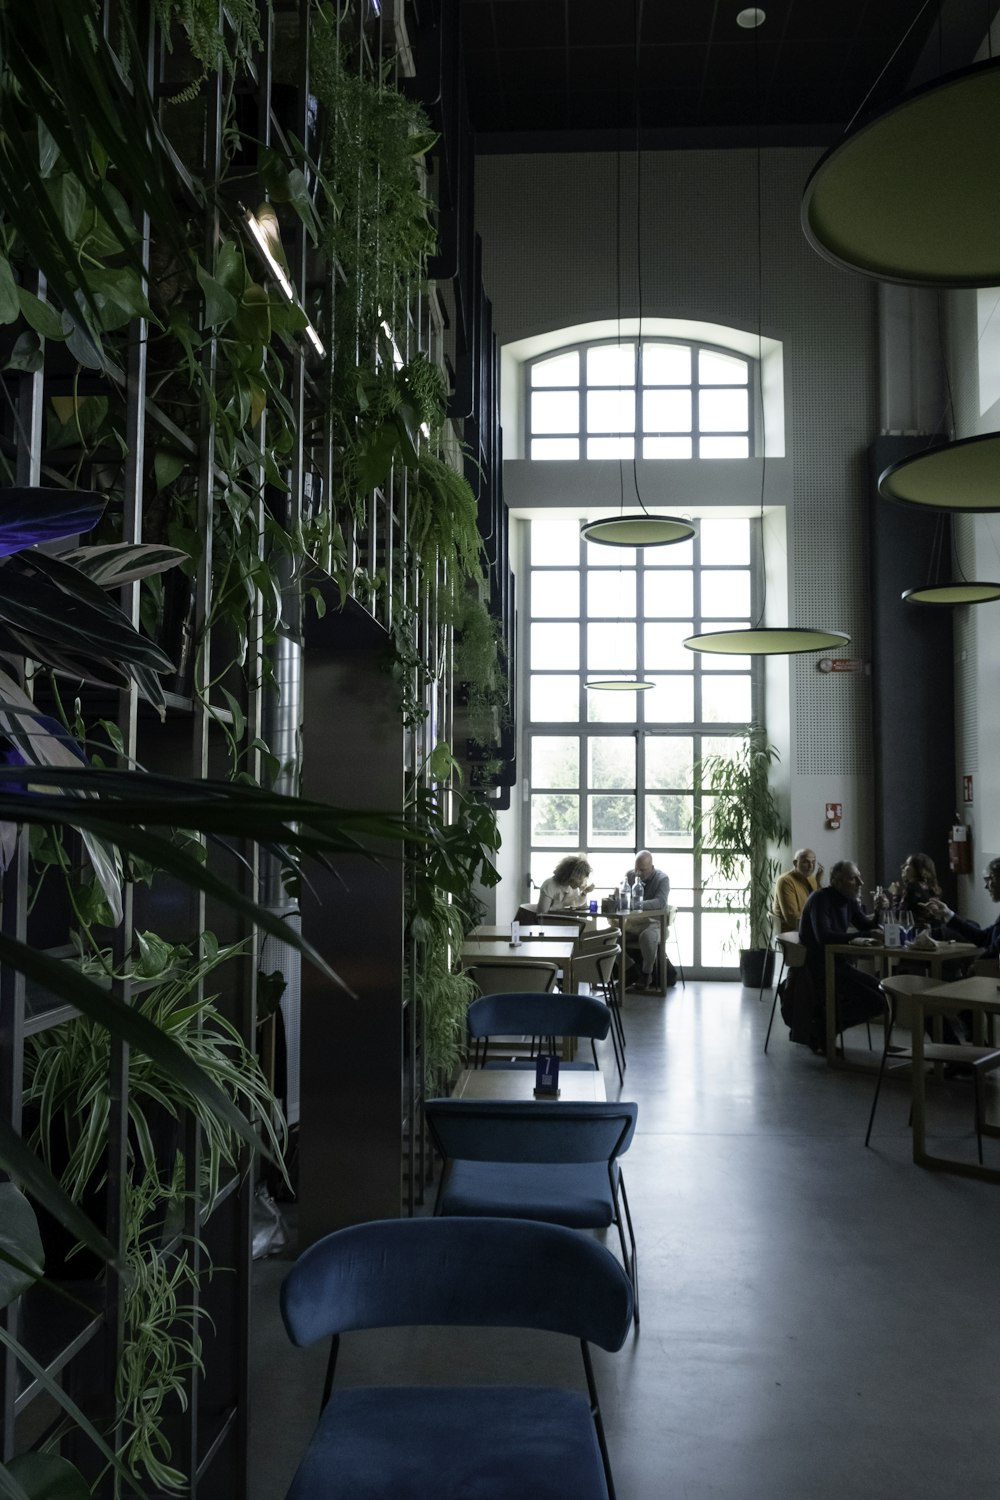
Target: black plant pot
point(756, 967)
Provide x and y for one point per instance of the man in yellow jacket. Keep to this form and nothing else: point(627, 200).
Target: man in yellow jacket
point(794, 888)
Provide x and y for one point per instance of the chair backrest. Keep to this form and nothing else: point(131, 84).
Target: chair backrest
point(792, 949)
point(898, 985)
point(520, 1013)
point(500, 978)
point(533, 1131)
point(589, 943)
point(532, 917)
point(458, 1272)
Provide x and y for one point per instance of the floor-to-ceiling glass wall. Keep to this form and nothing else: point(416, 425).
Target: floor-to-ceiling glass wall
point(610, 772)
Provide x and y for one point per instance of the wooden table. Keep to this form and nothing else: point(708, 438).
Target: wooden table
point(496, 951)
point(576, 1085)
point(623, 920)
point(933, 958)
point(980, 994)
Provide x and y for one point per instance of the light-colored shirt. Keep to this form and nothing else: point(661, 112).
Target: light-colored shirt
point(555, 897)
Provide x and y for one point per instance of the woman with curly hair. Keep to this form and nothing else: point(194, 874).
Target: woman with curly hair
point(920, 886)
point(565, 889)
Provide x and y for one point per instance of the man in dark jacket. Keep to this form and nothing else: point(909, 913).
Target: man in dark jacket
point(988, 938)
point(831, 915)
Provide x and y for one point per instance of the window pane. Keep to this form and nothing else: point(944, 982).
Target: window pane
point(611, 364)
point(610, 762)
point(669, 760)
point(677, 555)
point(556, 411)
point(555, 448)
point(719, 941)
point(555, 760)
point(678, 866)
point(600, 555)
point(725, 593)
point(668, 593)
point(611, 648)
point(606, 870)
point(555, 700)
point(672, 702)
point(725, 700)
point(612, 708)
point(725, 542)
point(710, 662)
point(660, 447)
point(665, 649)
point(670, 820)
point(721, 369)
point(666, 364)
point(723, 447)
point(612, 822)
point(611, 593)
point(666, 411)
point(561, 369)
point(615, 447)
point(554, 541)
point(555, 819)
point(611, 411)
point(718, 411)
point(556, 647)
point(555, 594)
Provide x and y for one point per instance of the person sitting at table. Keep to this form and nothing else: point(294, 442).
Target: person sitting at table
point(831, 915)
point(919, 888)
point(565, 890)
point(987, 938)
point(793, 889)
point(655, 894)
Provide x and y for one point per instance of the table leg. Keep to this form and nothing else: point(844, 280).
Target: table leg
point(830, 960)
point(917, 1080)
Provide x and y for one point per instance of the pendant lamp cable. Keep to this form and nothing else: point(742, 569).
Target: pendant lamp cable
point(637, 128)
point(889, 62)
point(759, 394)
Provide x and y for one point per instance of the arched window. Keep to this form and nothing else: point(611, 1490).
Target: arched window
point(650, 398)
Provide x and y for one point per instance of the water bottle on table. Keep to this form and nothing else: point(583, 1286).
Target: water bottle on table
point(638, 894)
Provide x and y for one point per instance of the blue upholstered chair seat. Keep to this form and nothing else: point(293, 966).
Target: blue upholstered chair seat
point(576, 1194)
point(486, 1443)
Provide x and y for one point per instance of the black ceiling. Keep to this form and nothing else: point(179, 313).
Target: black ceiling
point(563, 74)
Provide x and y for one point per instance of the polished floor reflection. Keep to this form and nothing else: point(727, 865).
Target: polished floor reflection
point(816, 1317)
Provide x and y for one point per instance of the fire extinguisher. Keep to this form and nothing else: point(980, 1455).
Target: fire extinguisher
point(960, 848)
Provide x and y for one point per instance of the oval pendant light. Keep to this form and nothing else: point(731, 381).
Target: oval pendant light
point(909, 195)
point(638, 530)
point(619, 685)
point(767, 640)
point(959, 476)
point(963, 591)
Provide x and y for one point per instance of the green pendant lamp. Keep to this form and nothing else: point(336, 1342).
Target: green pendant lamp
point(909, 196)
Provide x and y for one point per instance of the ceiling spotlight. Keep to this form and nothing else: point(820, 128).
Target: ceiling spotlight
point(751, 18)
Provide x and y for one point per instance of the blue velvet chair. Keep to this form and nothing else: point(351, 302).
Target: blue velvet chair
point(548, 1015)
point(471, 1442)
point(536, 1160)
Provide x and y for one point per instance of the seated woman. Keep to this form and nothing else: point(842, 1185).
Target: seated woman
point(565, 889)
point(920, 889)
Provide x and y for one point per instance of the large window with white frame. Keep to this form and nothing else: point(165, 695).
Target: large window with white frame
point(648, 398)
point(611, 772)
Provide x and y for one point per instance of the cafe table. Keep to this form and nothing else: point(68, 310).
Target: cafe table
point(543, 950)
point(933, 959)
point(981, 994)
point(537, 933)
point(576, 1085)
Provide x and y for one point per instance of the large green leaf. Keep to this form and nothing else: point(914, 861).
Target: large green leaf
point(51, 600)
point(21, 1255)
point(46, 1476)
point(33, 1175)
point(115, 563)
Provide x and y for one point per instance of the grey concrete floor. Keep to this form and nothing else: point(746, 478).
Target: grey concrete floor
point(817, 1318)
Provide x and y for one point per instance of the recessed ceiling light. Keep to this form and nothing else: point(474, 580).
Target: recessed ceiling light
point(751, 18)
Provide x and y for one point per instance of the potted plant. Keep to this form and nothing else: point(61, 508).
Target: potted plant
point(739, 827)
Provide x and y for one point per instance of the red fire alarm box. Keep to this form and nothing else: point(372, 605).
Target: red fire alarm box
point(834, 814)
point(960, 849)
